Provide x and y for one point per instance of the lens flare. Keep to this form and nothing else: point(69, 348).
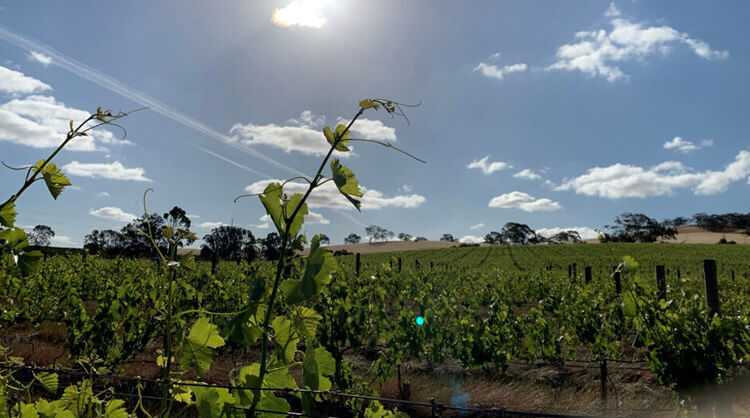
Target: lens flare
point(419, 320)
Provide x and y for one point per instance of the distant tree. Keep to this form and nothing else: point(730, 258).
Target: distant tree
point(41, 236)
point(135, 244)
point(178, 218)
point(228, 243)
point(637, 227)
point(678, 221)
point(376, 233)
point(271, 246)
point(566, 237)
point(324, 239)
point(448, 238)
point(107, 242)
point(352, 239)
point(404, 236)
point(494, 237)
point(420, 239)
point(517, 233)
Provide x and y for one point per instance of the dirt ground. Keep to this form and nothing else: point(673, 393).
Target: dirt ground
point(570, 389)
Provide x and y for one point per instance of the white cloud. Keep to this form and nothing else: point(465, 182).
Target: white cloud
point(328, 196)
point(687, 146)
point(61, 240)
point(15, 82)
point(475, 227)
point(40, 58)
point(193, 216)
point(305, 134)
point(597, 53)
point(487, 167)
point(471, 239)
point(43, 122)
point(584, 231)
point(621, 180)
point(497, 72)
point(307, 13)
point(523, 201)
point(265, 222)
point(406, 188)
point(112, 171)
point(370, 129)
point(103, 194)
point(211, 225)
point(527, 175)
point(113, 213)
point(316, 218)
point(612, 11)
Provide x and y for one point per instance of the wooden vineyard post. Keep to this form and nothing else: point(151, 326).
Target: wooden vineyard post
point(712, 286)
point(603, 382)
point(570, 271)
point(618, 284)
point(731, 275)
point(357, 263)
point(575, 271)
point(399, 264)
point(587, 274)
point(416, 264)
point(214, 261)
point(430, 265)
point(678, 275)
point(661, 283)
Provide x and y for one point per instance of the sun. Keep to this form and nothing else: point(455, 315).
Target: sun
point(306, 13)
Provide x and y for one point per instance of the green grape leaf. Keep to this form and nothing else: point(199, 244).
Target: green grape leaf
point(318, 364)
point(271, 199)
point(284, 340)
point(53, 177)
point(279, 379)
point(48, 381)
point(306, 321)
point(188, 261)
point(28, 411)
point(289, 207)
point(346, 182)
point(244, 327)
point(320, 265)
point(210, 401)
point(15, 238)
point(258, 289)
point(275, 406)
point(30, 262)
point(339, 133)
point(367, 104)
point(115, 409)
point(198, 348)
point(8, 214)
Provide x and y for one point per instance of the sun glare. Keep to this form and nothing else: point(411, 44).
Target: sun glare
point(301, 13)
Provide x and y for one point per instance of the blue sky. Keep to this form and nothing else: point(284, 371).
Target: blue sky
point(583, 109)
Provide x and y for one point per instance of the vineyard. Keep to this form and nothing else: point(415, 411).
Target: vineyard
point(484, 308)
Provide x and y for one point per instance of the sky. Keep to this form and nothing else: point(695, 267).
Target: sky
point(560, 115)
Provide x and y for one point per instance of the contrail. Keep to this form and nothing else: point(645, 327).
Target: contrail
point(234, 163)
point(84, 71)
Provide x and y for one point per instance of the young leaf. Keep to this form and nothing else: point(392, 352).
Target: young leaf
point(30, 262)
point(306, 321)
point(318, 364)
point(271, 199)
point(284, 340)
point(244, 328)
point(210, 401)
point(8, 214)
point(320, 265)
point(367, 104)
point(115, 409)
point(346, 182)
point(199, 345)
point(276, 406)
point(48, 381)
point(53, 177)
point(299, 219)
point(331, 137)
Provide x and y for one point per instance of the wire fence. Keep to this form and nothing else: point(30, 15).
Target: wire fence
point(434, 407)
